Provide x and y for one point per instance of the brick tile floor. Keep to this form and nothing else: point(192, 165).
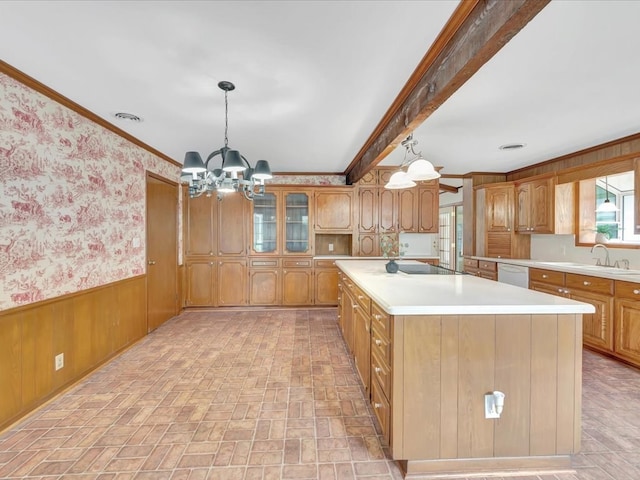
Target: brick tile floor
point(262, 395)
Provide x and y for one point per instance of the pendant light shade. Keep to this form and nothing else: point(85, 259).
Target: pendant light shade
point(262, 170)
point(400, 180)
point(421, 169)
point(193, 163)
point(233, 162)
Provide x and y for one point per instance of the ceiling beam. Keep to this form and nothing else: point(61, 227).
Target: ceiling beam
point(448, 188)
point(476, 31)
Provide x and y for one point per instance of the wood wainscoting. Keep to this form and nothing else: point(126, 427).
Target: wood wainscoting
point(88, 327)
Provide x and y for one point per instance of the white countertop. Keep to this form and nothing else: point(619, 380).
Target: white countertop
point(351, 257)
point(403, 294)
point(572, 267)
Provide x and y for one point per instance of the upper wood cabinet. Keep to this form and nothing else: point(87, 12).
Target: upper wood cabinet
point(200, 217)
point(231, 230)
point(499, 208)
point(495, 235)
point(534, 206)
point(281, 223)
point(428, 207)
point(333, 210)
point(368, 209)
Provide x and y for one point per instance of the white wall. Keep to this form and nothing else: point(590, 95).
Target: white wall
point(562, 248)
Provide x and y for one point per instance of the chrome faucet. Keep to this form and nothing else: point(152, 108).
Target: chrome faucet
point(607, 262)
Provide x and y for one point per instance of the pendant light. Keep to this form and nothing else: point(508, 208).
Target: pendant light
point(606, 206)
point(418, 169)
point(234, 175)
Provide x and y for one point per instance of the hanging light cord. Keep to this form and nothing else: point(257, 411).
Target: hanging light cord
point(226, 119)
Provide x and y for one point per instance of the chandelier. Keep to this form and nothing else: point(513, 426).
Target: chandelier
point(235, 173)
point(418, 169)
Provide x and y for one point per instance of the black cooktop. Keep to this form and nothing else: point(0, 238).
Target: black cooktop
point(425, 269)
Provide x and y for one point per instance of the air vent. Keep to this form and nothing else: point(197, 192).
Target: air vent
point(512, 146)
point(130, 117)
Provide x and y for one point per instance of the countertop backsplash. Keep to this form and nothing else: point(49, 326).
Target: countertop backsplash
point(418, 244)
point(562, 248)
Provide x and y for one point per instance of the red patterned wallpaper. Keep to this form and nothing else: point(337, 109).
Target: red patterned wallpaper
point(72, 199)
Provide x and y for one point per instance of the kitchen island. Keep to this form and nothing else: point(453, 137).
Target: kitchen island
point(428, 348)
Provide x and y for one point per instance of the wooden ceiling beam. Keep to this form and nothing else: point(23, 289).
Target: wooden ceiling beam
point(476, 31)
point(448, 188)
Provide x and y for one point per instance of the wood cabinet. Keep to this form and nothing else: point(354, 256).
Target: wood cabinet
point(380, 210)
point(232, 281)
point(627, 322)
point(201, 283)
point(535, 206)
point(481, 268)
point(200, 220)
point(325, 282)
point(264, 281)
point(281, 223)
point(495, 233)
point(333, 210)
point(428, 207)
point(297, 281)
point(597, 328)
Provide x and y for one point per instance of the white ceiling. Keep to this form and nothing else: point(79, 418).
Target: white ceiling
point(313, 78)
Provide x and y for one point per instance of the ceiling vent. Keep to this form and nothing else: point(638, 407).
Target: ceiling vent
point(130, 117)
point(512, 146)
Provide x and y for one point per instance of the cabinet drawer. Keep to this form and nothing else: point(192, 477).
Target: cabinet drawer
point(629, 290)
point(381, 321)
point(591, 284)
point(380, 344)
point(381, 409)
point(486, 265)
point(325, 263)
point(264, 262)
point(299, 262)
point(362, 298)
point(546, 276)
point(471, 262)
point(381, 371)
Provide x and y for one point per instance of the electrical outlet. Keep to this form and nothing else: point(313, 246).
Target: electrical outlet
point(331, 247)
point(59, 361)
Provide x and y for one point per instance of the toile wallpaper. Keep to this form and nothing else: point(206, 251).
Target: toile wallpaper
point(72, 199)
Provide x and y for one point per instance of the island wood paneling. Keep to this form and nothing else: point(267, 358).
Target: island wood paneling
point(444, 365)
point(88, 327)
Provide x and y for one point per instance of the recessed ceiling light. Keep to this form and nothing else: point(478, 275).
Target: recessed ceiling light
point(512, 146)
point(130, 117)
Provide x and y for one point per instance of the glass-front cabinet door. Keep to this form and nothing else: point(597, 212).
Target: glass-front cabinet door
point(296, 216)
point(265, 224)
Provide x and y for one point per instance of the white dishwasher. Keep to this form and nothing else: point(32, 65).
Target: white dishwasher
point(513, 274)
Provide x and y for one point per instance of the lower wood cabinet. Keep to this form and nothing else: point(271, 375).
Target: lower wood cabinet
point(325, 282)
point(264, 281)
point(627, 324)
point(232, 282)
point(597, 328)
point(201, 280)
point(297, 282)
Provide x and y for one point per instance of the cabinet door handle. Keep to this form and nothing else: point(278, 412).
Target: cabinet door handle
point(586, 284)
point(210, 253)
point(544, 275)
point(354, 306)
point(360, 297)
point(560, 290)
point(636, 291)
point(377, 316)
point(151, 262)
point(377, 405)
point(377, 369)
point(567, 292)
point(378, 342)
